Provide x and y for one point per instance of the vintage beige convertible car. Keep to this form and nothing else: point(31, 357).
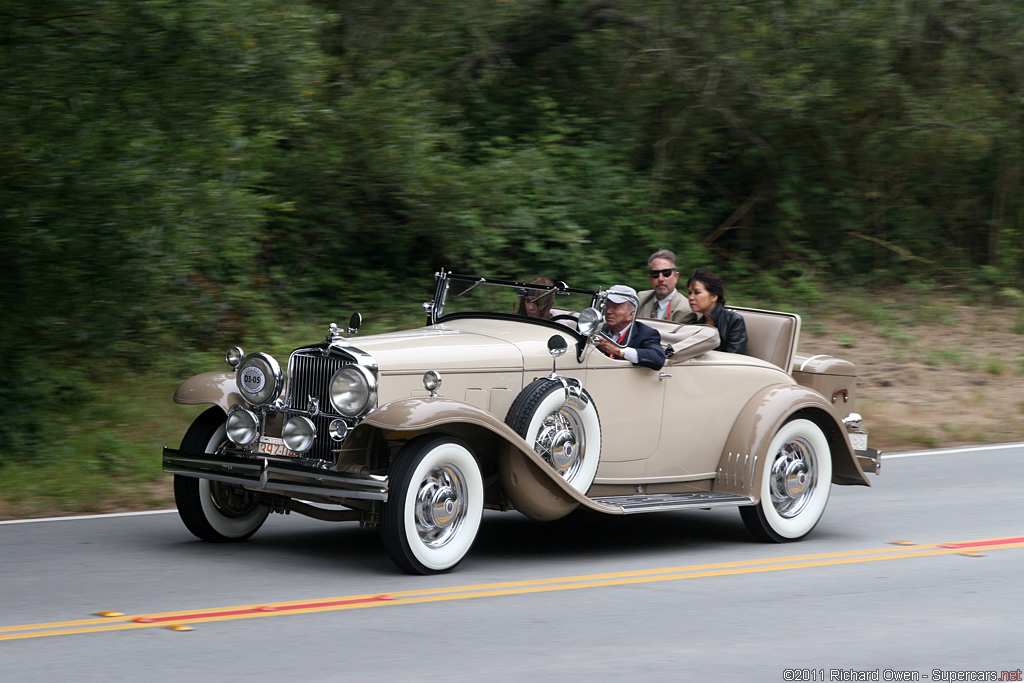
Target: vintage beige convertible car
point(530, 417)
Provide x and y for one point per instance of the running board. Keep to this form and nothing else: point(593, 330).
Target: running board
point(674, 501)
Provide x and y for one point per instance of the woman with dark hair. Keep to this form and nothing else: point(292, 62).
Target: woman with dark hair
point(537, 303)
point(707, 298)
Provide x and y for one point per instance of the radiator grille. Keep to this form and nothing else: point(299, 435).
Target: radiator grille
point(309, 374)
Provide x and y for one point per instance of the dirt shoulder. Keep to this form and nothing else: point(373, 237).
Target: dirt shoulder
point(938, 375)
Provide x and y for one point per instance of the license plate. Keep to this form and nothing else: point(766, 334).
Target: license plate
point(271, 445)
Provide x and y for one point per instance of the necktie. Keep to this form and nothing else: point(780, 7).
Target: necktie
point(621, 337)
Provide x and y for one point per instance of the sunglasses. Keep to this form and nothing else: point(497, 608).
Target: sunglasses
point(667, 272)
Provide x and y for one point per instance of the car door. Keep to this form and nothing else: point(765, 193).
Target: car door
point(702, 399)
point(629, 401)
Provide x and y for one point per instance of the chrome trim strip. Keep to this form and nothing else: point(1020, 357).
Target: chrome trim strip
point(674, 501)
point(466, 371)
point(702, 476)
point(738, 472)
point(820, 355)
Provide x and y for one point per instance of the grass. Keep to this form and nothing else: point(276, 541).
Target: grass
point(898, 334)
point(816, 328)
point(915, 436)
point(958, 358)
point(866, 309)
point(994, 366)
point(101, 452)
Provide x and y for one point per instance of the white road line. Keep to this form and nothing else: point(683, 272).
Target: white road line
point(78, 517)
point(952, 451)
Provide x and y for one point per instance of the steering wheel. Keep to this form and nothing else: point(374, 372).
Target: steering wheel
point(563, 316)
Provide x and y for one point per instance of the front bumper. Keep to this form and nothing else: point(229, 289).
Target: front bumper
point(291, 479)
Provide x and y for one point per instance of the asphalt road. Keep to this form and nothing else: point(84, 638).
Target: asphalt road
point(916, 578)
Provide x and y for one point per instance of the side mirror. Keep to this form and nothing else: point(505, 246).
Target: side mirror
point(354, 323)
point(588, 321)
point(557, 345)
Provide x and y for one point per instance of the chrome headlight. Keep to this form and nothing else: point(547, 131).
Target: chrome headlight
point(259, 378)
point(298, 434)
point(353, 390)
point(338, 429)
point(589, 321)
point(242, 426)
point(431, 381)
point(234, 356)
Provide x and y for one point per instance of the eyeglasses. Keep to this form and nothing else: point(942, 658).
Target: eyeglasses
point(667, 272)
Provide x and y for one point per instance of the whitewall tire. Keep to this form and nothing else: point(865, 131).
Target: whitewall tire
point(435, 504)
point(794, 486)
point(563, 429)
point(211, 510)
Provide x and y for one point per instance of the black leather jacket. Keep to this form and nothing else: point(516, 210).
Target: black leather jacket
point(731, 329)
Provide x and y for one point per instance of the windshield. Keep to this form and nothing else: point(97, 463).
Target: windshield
point(461, 294)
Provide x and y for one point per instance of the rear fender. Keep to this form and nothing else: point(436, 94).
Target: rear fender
point(529, 482)
point(215, 388)
point(746, 450)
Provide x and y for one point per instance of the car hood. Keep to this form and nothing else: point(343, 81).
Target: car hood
point(462, 345)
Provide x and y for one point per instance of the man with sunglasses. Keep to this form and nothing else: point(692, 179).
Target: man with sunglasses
point(663, 301)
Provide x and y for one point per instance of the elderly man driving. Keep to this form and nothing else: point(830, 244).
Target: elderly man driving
point(642, 344)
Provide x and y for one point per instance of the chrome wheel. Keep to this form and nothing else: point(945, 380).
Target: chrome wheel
point(562, 426)
point(795, 484)
point(441, 505)
point(794, 476)
point(562, 441)
point(232, 501)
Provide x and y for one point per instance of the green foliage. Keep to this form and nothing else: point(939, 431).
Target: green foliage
point(958, 358)
point(178, 175)
point(897, 334)
point(816, 328)
point(995, 366)
point(130, 208)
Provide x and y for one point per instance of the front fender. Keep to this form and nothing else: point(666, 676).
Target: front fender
point(216, 388)
point(533, 487)
point(746, 450)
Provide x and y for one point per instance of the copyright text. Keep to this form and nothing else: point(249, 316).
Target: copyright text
point(817, 675)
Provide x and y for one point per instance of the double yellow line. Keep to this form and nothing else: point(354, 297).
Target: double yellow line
point(182, 620)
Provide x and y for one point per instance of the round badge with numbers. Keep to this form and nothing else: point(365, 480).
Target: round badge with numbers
point(253, 379)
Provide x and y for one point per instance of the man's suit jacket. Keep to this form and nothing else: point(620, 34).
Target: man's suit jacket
point(679, 310)
point(647, 342)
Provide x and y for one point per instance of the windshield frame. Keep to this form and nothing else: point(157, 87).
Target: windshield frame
point(445, 279)
point(435, 308)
